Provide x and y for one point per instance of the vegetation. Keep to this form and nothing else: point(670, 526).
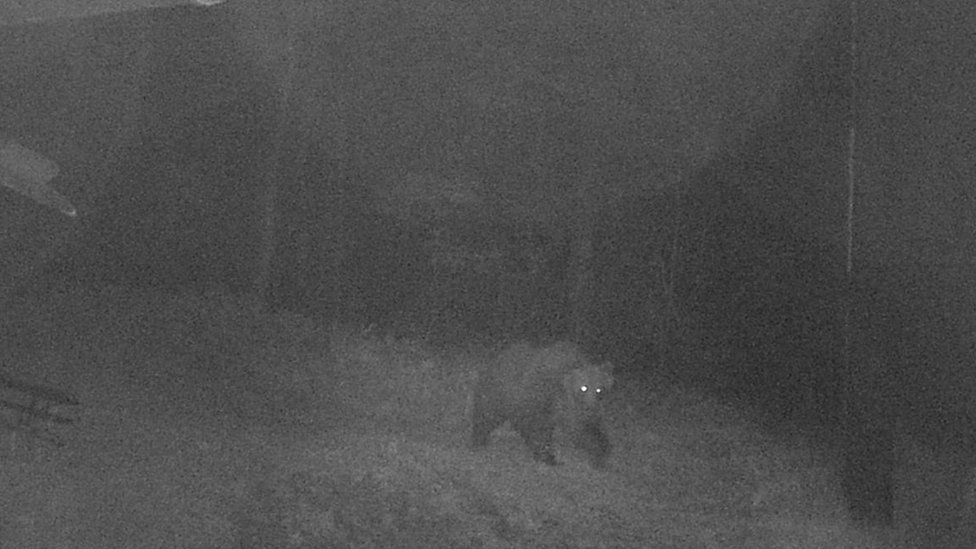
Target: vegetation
point(208, 422)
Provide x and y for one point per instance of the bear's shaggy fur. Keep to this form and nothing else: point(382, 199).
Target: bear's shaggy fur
point(537, 388)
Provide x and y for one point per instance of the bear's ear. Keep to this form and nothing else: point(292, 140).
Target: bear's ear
point(572, 381)
point(607, 368)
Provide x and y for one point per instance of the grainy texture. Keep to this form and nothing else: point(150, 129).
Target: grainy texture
point(538, 389)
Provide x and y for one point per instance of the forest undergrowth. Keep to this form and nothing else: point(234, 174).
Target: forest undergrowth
point(206, 422)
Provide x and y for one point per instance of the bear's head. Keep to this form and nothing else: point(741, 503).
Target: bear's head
point(586, 385)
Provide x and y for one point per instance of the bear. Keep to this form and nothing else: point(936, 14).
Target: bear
point(536, 389)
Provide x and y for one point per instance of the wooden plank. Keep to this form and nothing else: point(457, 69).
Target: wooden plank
point(41, 413)
point(30, 174)
point(53, 396)
point(37, 11)
point(31, 430)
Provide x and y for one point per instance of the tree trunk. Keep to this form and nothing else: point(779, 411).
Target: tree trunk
point(582, 259)
point(268, 207)
point(278, 163)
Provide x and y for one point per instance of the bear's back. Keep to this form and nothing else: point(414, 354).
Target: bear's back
point(523, 372)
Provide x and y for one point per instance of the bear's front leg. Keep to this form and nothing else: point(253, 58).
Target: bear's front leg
point(536, 431)
point(483, 423)
point(591, 439)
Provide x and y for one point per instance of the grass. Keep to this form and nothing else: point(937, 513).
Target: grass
point(207, 423)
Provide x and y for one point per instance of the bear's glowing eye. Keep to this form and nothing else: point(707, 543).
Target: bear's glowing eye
point(584, 388)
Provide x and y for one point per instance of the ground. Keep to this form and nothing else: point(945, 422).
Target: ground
point(207, 423)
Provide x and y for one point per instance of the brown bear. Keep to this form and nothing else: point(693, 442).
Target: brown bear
point(537, 388)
